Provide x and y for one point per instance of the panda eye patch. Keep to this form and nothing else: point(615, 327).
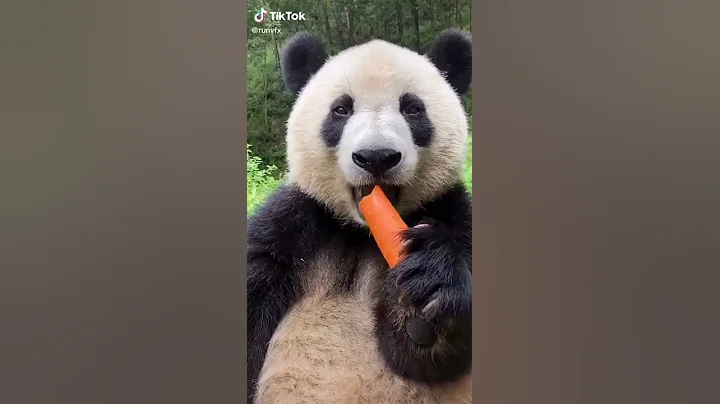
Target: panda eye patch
point(412, 109)
point(411, 105)
point(339, 113)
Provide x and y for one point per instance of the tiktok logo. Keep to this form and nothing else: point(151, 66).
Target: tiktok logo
point(260, 17)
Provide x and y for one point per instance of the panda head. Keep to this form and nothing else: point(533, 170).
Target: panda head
point(376, 113)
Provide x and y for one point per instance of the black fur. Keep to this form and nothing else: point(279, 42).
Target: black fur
point(332, 127)
point(452, 54)
point(302, 56)
point(413, 110)
point(287, 232)
point(438, 265)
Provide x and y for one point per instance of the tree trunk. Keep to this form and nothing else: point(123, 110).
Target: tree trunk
point(350, 14)
point(377, 27)
point(338, 26)
point(431, 13)
point(277, 52)
point(448, 16)
point(416, 21)
point(458, 16)
point(398, 14)
point(327, 25)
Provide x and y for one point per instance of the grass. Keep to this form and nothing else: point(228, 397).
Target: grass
point(263, 179)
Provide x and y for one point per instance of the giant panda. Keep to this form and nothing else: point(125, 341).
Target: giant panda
point(328, 322)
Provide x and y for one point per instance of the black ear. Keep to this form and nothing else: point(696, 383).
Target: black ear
point(302, 56)
point(452, 54)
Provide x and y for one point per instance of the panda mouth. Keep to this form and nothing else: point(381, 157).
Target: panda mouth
point(391, 191)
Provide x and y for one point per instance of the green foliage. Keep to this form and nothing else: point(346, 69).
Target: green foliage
point(268, 107)
point(261, 180)
point(411, 23)
point(467, 173)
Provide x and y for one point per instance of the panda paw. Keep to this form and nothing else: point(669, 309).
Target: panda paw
point(424, 318)
point(434, 279)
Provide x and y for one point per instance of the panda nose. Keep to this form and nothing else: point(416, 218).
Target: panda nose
point(377, 162)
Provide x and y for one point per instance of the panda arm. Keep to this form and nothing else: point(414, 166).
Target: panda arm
point(280, 234)
point(433, 282)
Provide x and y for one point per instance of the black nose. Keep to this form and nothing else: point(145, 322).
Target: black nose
point(376, 162)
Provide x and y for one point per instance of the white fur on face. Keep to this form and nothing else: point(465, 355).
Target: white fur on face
point(376, 75)
point(383, 128)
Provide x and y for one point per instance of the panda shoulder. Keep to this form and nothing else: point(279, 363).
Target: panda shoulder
point(281, 206)
point(288, 220)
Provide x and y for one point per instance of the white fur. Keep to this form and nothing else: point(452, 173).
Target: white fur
point(376, 74)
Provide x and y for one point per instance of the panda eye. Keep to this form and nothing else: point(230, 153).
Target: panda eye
point(412, 110)
point(340, 111)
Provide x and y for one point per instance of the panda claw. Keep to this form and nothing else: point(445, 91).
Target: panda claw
point(431, 309)
point(406, 243)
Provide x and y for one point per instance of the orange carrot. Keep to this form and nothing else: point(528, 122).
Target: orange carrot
point(385, 224)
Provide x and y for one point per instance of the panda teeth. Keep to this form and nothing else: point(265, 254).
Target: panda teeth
point(357, 193)
point(360, 192)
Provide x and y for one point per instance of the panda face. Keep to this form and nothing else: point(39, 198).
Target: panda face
point(375, 114)
point(376, 144)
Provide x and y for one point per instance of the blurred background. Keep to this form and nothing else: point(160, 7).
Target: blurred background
point(341, 24)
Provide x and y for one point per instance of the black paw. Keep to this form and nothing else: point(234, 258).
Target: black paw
point(424, 317)
point(434, 279)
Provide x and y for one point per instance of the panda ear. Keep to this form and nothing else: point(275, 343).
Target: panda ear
point(452, 54)
point(302, 56)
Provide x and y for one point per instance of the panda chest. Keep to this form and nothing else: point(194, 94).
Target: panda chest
point(351, 273)
point(324, 348)
point(334, 319)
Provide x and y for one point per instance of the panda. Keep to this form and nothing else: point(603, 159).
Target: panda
point(328, 321)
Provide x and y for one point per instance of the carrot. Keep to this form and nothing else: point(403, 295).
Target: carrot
point(385, 224)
